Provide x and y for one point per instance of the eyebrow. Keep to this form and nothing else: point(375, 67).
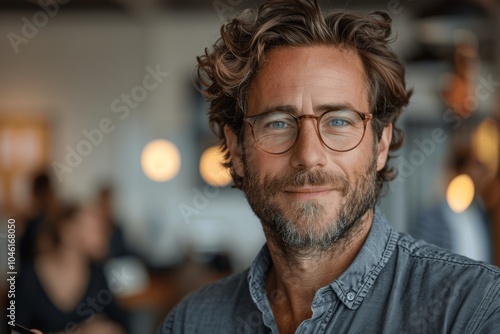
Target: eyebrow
point(318, 109)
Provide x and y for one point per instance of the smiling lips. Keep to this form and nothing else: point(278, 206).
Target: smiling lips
point(308, 192)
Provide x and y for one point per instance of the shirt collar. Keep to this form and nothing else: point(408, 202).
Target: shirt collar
point(257, 274)
point(256, 284)
point(355, 283)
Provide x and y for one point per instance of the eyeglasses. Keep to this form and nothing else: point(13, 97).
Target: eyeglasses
point(276, 132)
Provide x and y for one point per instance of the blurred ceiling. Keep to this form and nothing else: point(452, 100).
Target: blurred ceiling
point(94, 5)
point(436, 20)
point(419, 7)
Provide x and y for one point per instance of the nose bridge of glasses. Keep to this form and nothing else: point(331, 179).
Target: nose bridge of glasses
point(299, 118)
point(315, 126)
point(311, 117)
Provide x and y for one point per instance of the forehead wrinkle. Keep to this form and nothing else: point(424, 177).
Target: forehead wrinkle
point(333, 81)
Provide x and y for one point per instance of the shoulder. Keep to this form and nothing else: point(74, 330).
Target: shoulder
point(104, 284)
point(436, 290)
point(97, 274)
point(27, 281)
point(207, 307)
point(423, 254)
point(27, 269)
point(219, 292)
point(28, 275)
point(460, 288)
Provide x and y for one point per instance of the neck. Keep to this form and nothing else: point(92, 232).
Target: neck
point(65, 255)
point(297, 274)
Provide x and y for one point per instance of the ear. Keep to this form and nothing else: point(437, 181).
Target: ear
point(234, 151)
point(383, 147)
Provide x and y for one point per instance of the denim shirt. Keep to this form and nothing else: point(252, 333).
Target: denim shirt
point(395, 285)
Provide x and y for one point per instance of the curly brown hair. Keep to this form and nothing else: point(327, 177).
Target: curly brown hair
point(227, 70)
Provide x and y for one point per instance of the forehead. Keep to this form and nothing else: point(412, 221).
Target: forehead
point(308, 76)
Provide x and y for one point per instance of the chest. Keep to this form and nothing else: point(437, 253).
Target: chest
point(389, 312)
point(64, 287)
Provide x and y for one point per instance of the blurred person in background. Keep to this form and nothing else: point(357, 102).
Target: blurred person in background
point(466, 233)
point(44, 206)
point(64, 289)
point(306, 107)
point(118, 246)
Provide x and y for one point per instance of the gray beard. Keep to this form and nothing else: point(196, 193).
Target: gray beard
point(299, 232)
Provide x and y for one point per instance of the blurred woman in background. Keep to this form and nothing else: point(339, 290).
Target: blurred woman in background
point(64, 289)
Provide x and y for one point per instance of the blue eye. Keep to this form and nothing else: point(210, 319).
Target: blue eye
point(275, 122)
point(338, 122)
point(278, 125)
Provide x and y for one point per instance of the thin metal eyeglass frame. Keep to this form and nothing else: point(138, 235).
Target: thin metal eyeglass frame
point(364, 117)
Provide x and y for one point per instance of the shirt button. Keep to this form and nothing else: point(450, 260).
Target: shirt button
point(350, 296)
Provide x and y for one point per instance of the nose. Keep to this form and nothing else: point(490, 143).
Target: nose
point(309, 151)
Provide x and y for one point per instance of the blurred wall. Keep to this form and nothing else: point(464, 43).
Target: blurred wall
point(74, 69)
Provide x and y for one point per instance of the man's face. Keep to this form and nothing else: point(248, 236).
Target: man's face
point(310, 196)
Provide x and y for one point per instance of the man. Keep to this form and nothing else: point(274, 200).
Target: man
point(305, 107)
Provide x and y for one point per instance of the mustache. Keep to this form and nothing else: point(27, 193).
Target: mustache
point(308, 178)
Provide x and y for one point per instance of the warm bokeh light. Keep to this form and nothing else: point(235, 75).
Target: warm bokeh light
point(160, 160)
point(460, 193)
point(211, 170)
point(485, 143)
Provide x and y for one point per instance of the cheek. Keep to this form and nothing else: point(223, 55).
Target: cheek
point(355, 164)
point(251, 155)
point(263, 164)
